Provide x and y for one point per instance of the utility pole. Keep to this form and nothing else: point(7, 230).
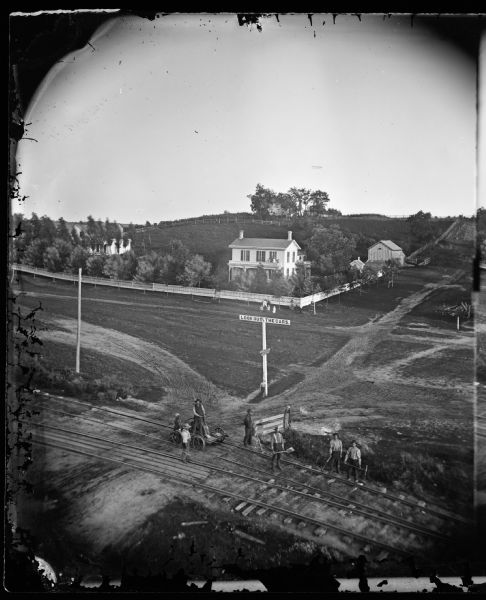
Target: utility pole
point(264, 357)
point(78, 339)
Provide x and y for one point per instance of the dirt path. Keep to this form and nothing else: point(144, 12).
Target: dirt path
point(338, 371)
point(172, 371)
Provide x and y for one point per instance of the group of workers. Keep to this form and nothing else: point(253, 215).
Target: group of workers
point(352, 457)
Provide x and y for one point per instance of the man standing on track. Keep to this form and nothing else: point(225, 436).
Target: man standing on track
point(353, 458)
point(199, 417)
point(335, 452)
point(186, 437)
point(277, 448)
point(248, 422)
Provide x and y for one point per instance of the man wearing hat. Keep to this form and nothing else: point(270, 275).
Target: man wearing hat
point(186, 437)
point(277, 442)
point(248, 423)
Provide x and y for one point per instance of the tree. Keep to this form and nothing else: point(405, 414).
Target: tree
point(301, 282)
point(114, 267)
point(261, 201)
point(75, 237)
point(318, 203)
point(196, 270)
point(219, 279)
point(130, 264)
point(173, 263)
point(278, 285)
point(301, 198)
point(47, 229)
point(52, 260)
point(34, 254)
point(148, 268)
point(64, 249)
point(390, 271)
point(91, 228)
point(79, 259)
point(330, 249)
point(62, 230)
point(95, 265)
point(259, 284)
point(244, 280)
point(420, 227)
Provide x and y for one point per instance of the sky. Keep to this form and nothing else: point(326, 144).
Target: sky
point(184, 115)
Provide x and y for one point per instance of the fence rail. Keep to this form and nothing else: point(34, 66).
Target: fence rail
point(289, 301)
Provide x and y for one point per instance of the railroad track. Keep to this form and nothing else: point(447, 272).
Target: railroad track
point(366, 491)
point(297, 488)
point(245, 499)
point(296, 501)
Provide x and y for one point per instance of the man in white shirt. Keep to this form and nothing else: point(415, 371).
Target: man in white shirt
point(186, 438)
point(353, 458)
point(335, 452)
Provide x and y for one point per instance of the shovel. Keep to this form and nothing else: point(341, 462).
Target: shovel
point(288, 451)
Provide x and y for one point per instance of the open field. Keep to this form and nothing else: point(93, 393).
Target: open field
point(378, 367)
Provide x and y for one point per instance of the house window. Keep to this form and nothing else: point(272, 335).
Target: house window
point(273, 256)
point(245, 255)
point(293, 256)
point(288, 272)
point(260, 255)
point(288, 256)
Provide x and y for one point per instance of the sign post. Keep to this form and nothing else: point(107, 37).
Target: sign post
point(264, 351)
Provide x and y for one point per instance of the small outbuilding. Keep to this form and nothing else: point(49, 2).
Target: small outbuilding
point(386, 250)
point(357, 263)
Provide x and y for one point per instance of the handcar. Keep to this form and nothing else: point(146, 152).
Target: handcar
point(200, 439)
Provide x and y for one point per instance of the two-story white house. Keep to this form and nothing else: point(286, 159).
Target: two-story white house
point(272, 254)
point(386, 250)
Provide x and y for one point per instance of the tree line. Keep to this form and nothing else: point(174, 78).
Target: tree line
point(296, 202)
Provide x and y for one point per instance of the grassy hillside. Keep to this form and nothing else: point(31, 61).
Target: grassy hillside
point(212, 239)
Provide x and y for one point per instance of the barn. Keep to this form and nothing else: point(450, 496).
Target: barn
point(386, 250)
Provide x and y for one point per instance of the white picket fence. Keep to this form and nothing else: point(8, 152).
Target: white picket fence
point(191, 291)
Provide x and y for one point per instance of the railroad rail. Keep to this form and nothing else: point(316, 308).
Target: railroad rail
point(302, 490)
point(91, 445)
point(433, 510)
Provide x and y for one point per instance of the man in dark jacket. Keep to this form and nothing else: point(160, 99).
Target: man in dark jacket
point(248, 422)
point(277, 443)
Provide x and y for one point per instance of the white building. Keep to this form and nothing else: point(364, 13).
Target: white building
point(272, 254)
point(357, 264)
point(386, 250)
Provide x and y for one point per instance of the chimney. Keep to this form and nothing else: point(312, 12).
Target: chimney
point(241, 234)
point(289, 235)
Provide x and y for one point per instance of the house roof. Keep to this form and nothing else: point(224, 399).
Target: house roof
point(263, 243)
point(389, 244)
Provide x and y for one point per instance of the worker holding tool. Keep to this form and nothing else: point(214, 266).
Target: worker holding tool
point(353, 458)
point(335, 452)
point(277, 448)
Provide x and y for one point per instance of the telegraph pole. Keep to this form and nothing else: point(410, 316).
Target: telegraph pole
point(78, 339)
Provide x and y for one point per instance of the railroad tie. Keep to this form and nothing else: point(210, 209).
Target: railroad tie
point(302, 524)
point(316, 495)
point(320, 531)
point(287, 520)
point(248, 510)
point(227, 499)
point(274, 515)
point(240, 506)
point(261, 511)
